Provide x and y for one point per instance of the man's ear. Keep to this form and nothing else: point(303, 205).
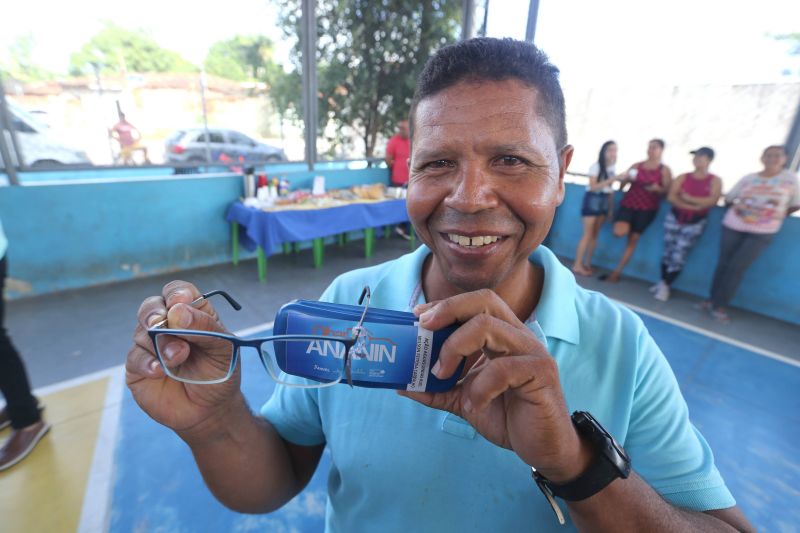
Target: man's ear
point(564, 159)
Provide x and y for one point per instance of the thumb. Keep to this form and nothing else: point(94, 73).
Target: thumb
point(184, 316)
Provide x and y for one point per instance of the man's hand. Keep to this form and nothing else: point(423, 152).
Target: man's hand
point(511, 393)
point(187, 409)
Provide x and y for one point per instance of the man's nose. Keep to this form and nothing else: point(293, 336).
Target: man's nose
point(473, 189)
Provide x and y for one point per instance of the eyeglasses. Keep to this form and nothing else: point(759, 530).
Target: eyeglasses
point(213, 356)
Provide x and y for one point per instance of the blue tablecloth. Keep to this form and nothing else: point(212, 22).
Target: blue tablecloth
point(270, 229)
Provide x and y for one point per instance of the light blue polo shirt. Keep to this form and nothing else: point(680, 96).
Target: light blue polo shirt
point(400, 466)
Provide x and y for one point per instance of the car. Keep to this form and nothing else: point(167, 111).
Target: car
point(225, 145)
point(40, 147)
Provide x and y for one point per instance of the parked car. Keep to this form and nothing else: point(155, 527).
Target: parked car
point(227, 146)
point(39, 146)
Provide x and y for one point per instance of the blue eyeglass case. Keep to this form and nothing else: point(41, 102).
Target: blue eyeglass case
point(396, 353)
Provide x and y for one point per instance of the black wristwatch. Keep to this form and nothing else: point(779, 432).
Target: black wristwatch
point(610, 463)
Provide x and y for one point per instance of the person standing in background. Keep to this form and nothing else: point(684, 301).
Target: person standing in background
point(129, 138)
point(649, 182)
point(597, 205)
point(758, 205)
point(692, 196)
point(22, 411)
point(397, 152)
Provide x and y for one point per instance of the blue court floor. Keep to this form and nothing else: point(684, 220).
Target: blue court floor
point(142, 478)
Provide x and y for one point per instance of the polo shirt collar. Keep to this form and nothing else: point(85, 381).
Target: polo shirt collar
point(555, 312)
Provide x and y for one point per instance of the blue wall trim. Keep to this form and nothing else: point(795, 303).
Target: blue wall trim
point(69, 236)
point(771, 287)
point(76, 235)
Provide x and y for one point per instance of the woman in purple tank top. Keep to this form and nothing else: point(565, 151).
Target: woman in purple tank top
point(692, 196)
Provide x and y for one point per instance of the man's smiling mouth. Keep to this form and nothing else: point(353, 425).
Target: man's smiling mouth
point(472, 242)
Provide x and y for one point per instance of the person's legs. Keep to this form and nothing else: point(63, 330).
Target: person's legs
point(633, 240)
point(598, 224)
point(730, 241)
point(751, 246)
point(21, 409)
point(682, 238)
point(577, 265)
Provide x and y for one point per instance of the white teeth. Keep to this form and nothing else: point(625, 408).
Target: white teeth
point(473, 241)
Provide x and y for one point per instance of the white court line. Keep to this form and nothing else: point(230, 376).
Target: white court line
point(716, 336)
point(96, 511)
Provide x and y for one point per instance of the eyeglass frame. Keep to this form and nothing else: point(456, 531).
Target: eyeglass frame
point(237, 342)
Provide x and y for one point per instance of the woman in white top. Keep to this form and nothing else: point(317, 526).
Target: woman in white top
point(597, 206)
point(758, 205)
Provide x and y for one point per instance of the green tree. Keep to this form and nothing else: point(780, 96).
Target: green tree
point(369, 56)
point(116, 49)
point(240, 58)
point(20, 64)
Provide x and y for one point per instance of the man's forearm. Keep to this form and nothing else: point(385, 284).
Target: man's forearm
point(244, 461)
point(632, 505)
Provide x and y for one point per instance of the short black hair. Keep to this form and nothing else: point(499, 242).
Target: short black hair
point(659, 142)
point(489, 59)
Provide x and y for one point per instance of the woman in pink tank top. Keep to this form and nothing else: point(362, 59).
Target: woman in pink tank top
point(649, 182)
point(692, 196)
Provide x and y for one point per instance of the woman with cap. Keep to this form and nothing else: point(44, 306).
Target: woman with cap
point(758, 205)
point(692, 196)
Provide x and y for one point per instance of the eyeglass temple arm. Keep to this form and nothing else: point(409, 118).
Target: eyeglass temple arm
point(224, 294)
point(199, 299)
point(365, 293)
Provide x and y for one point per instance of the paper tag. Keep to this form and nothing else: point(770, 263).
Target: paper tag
point(318, 187)
point(422, 360)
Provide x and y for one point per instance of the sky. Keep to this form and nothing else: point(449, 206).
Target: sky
point(592, 41)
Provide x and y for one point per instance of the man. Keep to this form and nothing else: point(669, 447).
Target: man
point(486, 175)
point(129, 139)
point(397, 151)
point(649, 182)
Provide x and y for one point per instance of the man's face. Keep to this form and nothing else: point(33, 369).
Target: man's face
point(402, 128)
point(485, 180)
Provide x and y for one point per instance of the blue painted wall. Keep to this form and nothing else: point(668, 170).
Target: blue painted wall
point(72, 235)
point(771, 286)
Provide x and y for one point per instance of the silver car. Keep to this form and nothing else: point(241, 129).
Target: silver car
point(224, 146)
point(39, 147)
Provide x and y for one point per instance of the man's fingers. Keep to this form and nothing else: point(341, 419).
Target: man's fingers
point(462, 307)
point(151, 311)
point(184, 316)
point(179, 291)
point(444, 401)
point(526, 373)
point(141, 364)
point(488, 334)
point(183, 292)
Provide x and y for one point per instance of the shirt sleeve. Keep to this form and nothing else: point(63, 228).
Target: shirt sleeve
point(294, 411)
point(666, 449)
point(733, 193)
point(795, 201)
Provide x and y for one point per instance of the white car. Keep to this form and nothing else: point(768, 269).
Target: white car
point(40, 148)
